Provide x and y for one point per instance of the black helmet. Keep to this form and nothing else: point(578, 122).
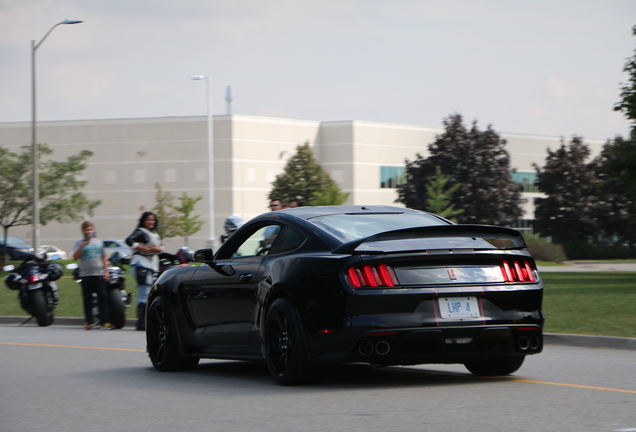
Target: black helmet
point(55, 271)
point(11, 280)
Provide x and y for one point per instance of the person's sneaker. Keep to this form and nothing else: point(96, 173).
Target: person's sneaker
point(108, 326)
point(88, 326)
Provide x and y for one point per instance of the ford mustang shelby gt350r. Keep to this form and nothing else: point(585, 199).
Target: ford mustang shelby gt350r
point(310, 286)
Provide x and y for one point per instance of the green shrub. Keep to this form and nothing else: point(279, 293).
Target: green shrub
point(543, 250)
point(588, 250)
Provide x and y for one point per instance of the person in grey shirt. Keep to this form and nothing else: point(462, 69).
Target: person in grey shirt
point(93, 270)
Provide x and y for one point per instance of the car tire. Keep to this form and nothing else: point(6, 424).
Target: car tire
point(286, 349)
point(496, 366)
point(162, 340)
point(41, 311)
point(116, 308)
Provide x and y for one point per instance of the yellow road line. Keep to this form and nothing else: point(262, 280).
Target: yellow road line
point(72, 346)
point(567, 385)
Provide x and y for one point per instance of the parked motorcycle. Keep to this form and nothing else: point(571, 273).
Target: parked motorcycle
point(167, 261)
point(118, 299)
point(35, 282)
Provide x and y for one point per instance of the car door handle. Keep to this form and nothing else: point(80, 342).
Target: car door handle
point(245, 277)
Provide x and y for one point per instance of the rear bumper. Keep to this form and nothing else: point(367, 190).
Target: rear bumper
point(432, 345)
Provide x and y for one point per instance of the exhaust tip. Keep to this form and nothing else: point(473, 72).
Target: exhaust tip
point(524, 343)
point(382, 348)
point(535, 342)
point(365, 348)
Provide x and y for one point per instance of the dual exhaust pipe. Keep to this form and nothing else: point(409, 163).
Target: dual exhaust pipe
point(368, 348)
point(526, 343)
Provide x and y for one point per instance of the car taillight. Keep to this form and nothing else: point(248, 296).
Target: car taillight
point(517, 271)
point(379, 275)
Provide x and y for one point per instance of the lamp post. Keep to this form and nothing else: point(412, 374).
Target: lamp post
point(208, 81)
point(34, 145)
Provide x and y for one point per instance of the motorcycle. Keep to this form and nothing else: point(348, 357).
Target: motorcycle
point(118, 299)
point(35, 282)
point(167, 261)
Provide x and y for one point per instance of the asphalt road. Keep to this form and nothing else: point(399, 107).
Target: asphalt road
point(65, 379)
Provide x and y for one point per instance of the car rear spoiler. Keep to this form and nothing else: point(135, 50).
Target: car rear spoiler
point(440, 231)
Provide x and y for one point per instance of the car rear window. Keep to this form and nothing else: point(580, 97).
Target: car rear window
point(348, 227)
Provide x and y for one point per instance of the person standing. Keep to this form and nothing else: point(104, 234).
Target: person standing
point(93, 270)
point(146, 244)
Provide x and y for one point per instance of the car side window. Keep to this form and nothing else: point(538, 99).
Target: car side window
point(259, 243)
point(289, 240)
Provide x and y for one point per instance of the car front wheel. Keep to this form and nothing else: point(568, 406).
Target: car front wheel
point(161, 339)
point(286, 349)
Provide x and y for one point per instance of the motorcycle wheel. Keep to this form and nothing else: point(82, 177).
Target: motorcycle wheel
point(116, 308)
point(41, 310)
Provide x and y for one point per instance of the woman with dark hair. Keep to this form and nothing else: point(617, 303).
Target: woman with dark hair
point(146, 244)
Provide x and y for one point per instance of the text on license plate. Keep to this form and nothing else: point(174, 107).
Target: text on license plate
point(458, 307)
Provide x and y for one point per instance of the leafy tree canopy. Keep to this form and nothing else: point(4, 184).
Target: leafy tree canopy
point(304, 177)
point(569, 211)
point(60, 197)
point(477, 168)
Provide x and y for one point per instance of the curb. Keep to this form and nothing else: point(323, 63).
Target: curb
point(584, 341)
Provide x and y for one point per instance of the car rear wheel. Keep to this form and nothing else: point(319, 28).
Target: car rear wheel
point(496, 366)
point(286, 349)
point(161, 339)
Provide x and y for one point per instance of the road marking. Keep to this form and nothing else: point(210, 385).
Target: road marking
point(563, 384)
point(72, 346)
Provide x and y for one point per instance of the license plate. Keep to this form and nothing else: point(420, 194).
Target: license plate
point(35, 286)
point(458, 307)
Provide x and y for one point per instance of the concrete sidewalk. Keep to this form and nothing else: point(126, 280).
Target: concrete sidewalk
point(548, 338)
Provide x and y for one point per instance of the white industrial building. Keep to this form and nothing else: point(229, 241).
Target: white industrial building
point(132, 155)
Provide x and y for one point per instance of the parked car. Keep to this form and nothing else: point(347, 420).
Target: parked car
point(112, 246)
point(54, 252)
point(17, 249)
point(310, 286)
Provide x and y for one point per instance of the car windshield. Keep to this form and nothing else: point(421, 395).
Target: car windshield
point(13, 240)
point(348, 227)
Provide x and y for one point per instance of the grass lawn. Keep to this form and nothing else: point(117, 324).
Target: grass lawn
point(602, 303)
point(70, 297)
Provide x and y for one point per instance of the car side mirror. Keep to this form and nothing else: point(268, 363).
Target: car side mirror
point(204, 256)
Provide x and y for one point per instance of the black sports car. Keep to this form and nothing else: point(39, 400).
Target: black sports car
point(310, 286)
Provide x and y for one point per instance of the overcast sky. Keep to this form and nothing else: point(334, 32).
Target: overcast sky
point(544, 67)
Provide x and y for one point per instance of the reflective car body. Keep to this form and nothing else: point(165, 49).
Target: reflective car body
point(308, 286)
point(17, 249)
point(112, 246)
point(53, 252)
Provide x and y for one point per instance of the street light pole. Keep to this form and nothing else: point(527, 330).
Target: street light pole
point(34, 145)
point(208, 81)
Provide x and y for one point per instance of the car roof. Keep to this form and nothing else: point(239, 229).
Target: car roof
point(308, 212)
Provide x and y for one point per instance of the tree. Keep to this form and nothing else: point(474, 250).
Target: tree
point(628, 92)
point(187, 224)
point(60, 197)
point(569, 212)
point(476, 161)
point(166, 215)
point(304, 177)
point(439, 196)
point(176, 221)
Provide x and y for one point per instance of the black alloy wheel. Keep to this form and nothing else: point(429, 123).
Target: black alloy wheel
point(286, 349)
point(161, 339)
point(496, 366)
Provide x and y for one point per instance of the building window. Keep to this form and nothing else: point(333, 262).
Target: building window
point(392, 177)
point(526, 226)
point(527, 180)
